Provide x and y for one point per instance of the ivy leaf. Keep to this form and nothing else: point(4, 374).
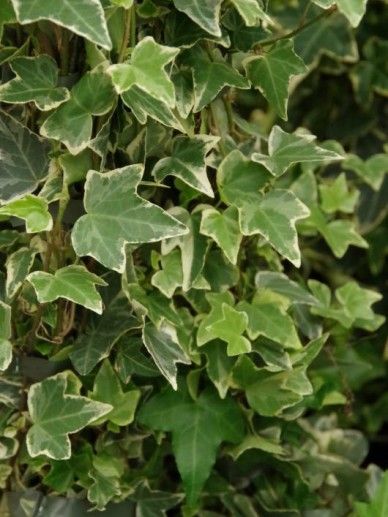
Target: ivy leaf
point(117, 215)
point(36, 81)
point(84, 17)
point(170, 276)
point(187, 162)
point(219, 367)
point(378, 506)
point(5, 334)
point(205, 328)
point(198, 427)
point(206, 13)
point(224, 229)
point(147, 71)
point(71, 123)
point(107, 389)
point(57, 410)
point(357, 303)
point(210, 77)
point(93, 346)
point(33, 210)
point(18, 266)
point(250, 11)
point(271, 73)
point(337, 197)
point(274, 217)
point(287, 149)
point(283, 285)
point(354, 10)
point(229, 328)
point(24, 159)
point(162, 343)
point(154, 503)
point(132, 359)
point(372, 170)
point(74, 283)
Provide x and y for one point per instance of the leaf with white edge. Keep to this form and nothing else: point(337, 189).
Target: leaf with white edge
point(205, 328)
point(147, 71)
point(223, 228)
point(256, 441)
point(271, 72)
point(378, 505)
point(170, 277)
point(57, 410)
point(107, 388)
point(336, 196)
point(105, 330)
point(283, 285)
point(18, 266)
point(198, 427)
point(33, 210)
point(372, 170)
point(117, 215)
point(5, 334)
point(229, 328)
point(354, 10)
point(205, 13)
point(239, 179)
point(274, 217)
point(72, 122)
point(250, 11)
point(287, 149)
point(84, 17)
point(210, 77)
point(219, 367)
point(187, 162)
point(74, 283)
point(163, 345)
point(24, 159)
point(36, 81)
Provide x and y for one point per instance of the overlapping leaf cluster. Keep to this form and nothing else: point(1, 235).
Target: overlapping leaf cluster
point(192, 231)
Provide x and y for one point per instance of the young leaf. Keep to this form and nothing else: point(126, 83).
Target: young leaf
point(74, 283)
point(372, 170)
point(5, 334)
point(287, 149)
point(34, 210)
point(283, 285)
point(170, 276)
point(271, 72)
point(147, 71)
point(84, 17)
point(336, 196)
point(206, 13)
point(57, 411)
point(117, 215)
point(378, 506)
point(224, 229)
point(18, 266)
point(357, 303)
point(354, 10)
point(24, 159)
point(198, 427)
point(187, 162)
point(250, 11)
point(36, 81)
point(229, 328)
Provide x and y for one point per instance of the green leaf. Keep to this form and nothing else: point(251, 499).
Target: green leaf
point(187, 162)
point(354, 10)
point(210, 77)
point(163, 345)
point(335, 196)
point(24, 159)
point(57, 410)
point(372, 170)
point(18, 266)
point(34, 211)
point(274, 217)
point(271, 72)
point(105, 330)
point(130, 360)
point(74, 283)
point(107, 389)
point(357, 303)
point(72, 122)
point(205, 13)
point(287, 149)
point(147, 71)
point(378, 506)
point(283, 285)
point(219, 367)
point(154, 503)
point(224, 229)
point(75, 167)
point(117, 215)
point(170, 276)
point(198, 427)
point(250, 11)
point(256, 441)
point(84, 17)
point(5, 334)
point(36, 81)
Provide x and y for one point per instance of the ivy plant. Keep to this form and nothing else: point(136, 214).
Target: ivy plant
point(193, 230)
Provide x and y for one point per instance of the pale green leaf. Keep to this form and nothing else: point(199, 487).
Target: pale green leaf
point(5, 334)
point(56, 411)
point(84, 17)
point(187, 162)
point(75, 167)
point(223, 228)
point(354, 10)
point(103, 488)
point(18, 266)
point(287, 149)
point(162, 343)
point(283, 285)
point(205, 328)
point(117, 215)
point(357, 303)
point(229, 328)
point(372, 170)
point(74, 283)
point(378, 506)
point(170, 276)
point(250, 11)
point(271, 72)
point(33, 210)
point(336, 196)
point(36, 81)
point(256, 441)
point(24, 159)
point(205, 13)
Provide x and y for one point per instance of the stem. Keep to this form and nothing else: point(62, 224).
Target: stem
point(129, 37)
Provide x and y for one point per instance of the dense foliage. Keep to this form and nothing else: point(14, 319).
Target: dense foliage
point(192, 246)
